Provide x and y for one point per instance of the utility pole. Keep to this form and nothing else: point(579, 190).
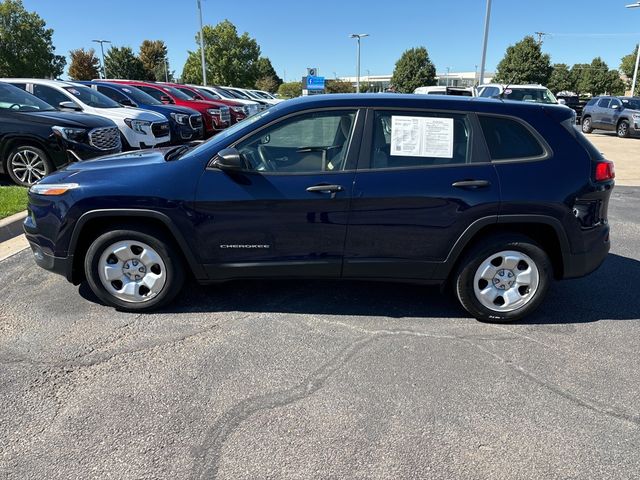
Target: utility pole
point(104, 68)
point(635, 70)
point(540, 36)
point(166, 70)
point(358, 36)
point(204, 67)
point(487, 20)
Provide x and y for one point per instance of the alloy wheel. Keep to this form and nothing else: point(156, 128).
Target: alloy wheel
point(28, 166)
point(506, 281)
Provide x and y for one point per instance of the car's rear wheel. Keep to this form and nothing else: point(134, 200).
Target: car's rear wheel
point(503, 279)
point(623, 129)
point(586, 125)
point(28, 164)
point(133, 270)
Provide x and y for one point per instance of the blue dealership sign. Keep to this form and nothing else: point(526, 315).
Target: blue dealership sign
point(315, 83)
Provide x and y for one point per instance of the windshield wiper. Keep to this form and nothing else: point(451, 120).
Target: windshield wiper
point(176, 152)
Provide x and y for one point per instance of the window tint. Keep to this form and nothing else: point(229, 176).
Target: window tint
point(18, 100)
point(192, 95)
point(410, 139)
point(313, 142)
point(490, 92)
point(615, 101)
point(603, 103)
point(592, 101)
point(508, 139)
point(112, 94)
point(154, 92)
point(50, 95)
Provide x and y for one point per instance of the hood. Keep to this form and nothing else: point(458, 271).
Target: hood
point(201, 106)
point(68, 119)
point(121, 160)
point(171, 109)
point(130, 112)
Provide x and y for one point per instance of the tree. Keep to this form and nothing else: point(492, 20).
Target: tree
point(628, 65)
point(596, 79)
point(26, 48)
point(290, 89)
point(338, 86)
point(578, 77)
point(616, 84)
point(153, 55)
point(524, 62)
point(231, 59)
point(414, 69)
point(84, 64)
point(121, 62)
point(560, 79)
point(268, 79)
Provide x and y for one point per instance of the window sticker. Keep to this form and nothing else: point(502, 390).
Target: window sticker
point(421, 137)
point(74, 92)
point(126, 90)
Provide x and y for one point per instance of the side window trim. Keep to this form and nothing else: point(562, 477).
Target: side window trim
point(476, 149)
point(547, 151)
point(353, 148)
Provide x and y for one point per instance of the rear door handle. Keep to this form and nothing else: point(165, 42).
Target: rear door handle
point(471, 184)
point(325, 188)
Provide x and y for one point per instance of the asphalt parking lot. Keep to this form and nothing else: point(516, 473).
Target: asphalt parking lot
point(323, 380)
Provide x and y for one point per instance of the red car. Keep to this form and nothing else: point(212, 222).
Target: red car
point(237, 110)
point(216, 114)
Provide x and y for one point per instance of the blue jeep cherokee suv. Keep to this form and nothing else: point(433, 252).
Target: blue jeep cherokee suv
point(185, 123)
point(496, 198)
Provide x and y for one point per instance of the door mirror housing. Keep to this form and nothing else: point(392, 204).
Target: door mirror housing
point(615, 107)
point(166, 99)
point(70, 106)
point(562, 101)
point(229, 159)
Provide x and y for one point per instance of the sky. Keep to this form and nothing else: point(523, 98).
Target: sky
point(296, 34)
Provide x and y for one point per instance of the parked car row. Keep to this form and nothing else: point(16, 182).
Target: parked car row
point(107, 116)
point(616, 114)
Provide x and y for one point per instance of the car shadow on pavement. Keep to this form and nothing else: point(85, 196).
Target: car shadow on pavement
point(596, 297)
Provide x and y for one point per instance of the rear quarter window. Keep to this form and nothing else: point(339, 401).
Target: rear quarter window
point(508, 139)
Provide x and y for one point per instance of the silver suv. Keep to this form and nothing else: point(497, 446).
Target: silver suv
point(616, 114)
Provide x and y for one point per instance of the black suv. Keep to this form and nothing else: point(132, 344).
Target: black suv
point(36, 139)
point(495, 198)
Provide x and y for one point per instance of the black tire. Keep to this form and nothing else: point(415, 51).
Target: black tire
point(622, 129)
point(465, 275)
point(586, 125)
point(23, 154)
point(172, 261)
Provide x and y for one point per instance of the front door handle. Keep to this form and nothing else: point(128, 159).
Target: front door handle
point(325, 188)
point(471, 184)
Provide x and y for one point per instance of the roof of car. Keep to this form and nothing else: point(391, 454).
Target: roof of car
point(41, 81)
point(522, 85)
point(394, 100)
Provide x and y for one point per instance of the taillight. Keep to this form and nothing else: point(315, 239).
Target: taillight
point(605, 171)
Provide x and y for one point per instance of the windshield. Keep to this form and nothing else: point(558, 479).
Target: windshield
point(16, 99)
point(175, 92)
point(261, 95)
point(91, 97)
point(223, 93)
point(535, 95)
point(632, 103)
point(207, 94)
point(139, 96)
point(239, 94)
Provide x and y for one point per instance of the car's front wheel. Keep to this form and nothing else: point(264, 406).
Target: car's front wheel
point(586, 125)
point(133, 270)
point(28, 164)
point(503, 279)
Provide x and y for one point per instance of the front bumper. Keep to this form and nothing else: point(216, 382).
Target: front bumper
point(60, 265)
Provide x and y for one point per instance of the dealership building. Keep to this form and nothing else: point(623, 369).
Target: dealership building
point(379, 83)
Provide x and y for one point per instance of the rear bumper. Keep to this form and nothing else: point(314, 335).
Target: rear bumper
point(581, 264)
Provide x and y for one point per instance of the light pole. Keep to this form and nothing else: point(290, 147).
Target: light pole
point(204, 68)
point(104, 68)
point(635, 70)
point(487, 19)
point(358, 36)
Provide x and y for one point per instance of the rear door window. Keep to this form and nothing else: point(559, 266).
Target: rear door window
point(112, 94)
point(50, 95)
point(508, 139)
point(409, 139)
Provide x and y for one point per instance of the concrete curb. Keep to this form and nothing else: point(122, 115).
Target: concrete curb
point(12, 226)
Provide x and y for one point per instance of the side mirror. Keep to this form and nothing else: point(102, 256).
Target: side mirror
point(125, 102)
point(562, 101)
point(615, 107)
point(166, 99)
point(70, 106)
point(229, 159)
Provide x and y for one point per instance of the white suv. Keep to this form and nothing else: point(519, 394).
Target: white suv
point(140, 128)
point(524, 93)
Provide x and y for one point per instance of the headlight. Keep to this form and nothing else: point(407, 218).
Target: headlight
point(181, 118)
point(52, 189)
point(238, 109)
point(71, 134)
point(636, 116)
point(137, 125)
point(213, 111)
